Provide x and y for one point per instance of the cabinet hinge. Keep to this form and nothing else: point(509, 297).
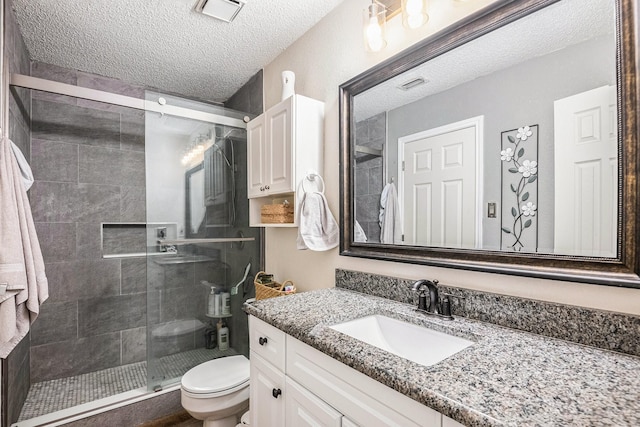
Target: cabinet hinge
point(403, 166)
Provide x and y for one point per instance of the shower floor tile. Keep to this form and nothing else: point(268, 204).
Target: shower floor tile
point(54, 395)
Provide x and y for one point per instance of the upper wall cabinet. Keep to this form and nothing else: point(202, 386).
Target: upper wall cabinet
point(284, 144)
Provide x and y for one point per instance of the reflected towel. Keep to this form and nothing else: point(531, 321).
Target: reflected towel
point(358, 233)
point(23, 284)
point(318, 229)
point(390, 227)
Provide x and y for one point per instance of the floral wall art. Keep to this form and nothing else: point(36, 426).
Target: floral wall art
point(519, 220)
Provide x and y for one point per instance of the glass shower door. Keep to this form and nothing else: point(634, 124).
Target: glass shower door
point(198, 239)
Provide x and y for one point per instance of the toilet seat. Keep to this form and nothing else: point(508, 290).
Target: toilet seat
point(217, 377)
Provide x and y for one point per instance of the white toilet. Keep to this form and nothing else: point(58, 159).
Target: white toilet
point(217, 391)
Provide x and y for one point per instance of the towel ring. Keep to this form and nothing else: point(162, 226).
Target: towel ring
point(312, 177)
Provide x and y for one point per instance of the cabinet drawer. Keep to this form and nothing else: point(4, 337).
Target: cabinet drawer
point(363, 400)
point(266, 341)
point(304, 409)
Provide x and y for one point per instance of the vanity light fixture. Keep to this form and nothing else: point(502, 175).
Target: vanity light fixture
point(375, 27)
point(414, 13)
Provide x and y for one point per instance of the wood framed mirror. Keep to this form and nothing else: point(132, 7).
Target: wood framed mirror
point(510, 142)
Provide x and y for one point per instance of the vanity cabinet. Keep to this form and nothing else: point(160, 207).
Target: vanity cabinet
point(284, 144)
point(313, 389)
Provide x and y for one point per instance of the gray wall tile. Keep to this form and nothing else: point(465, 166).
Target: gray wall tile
point(53, 201)
point(97, 203)
point(133, 204)
point(57, 241)
point(134, 345)
point(88, 241)
point(69, 123)
point(134, 275)
point(58, 74)
point(99, 165)
point(107, 314)
point(56, 322)
point(54, 161)
point(107, 84)
point(70, 281)
point(132, 131)
point(74, 357)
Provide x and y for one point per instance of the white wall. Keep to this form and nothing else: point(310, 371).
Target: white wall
point(327, 56)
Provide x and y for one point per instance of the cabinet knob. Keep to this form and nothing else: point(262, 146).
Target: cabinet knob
point(276, 392)
point(266, 187)
point(262, 340)
point(261, 188)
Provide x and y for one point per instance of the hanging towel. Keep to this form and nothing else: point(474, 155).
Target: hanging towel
point(25, 170)
point(358, 233)
point(389, 218)
point(23, 284)
point(318, 229)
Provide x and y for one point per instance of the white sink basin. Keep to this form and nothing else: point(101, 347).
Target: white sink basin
point(413, 342)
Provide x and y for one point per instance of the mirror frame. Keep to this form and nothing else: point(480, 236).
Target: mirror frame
point(624, 270)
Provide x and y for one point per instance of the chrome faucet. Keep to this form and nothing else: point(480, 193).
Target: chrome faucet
point(432, 286)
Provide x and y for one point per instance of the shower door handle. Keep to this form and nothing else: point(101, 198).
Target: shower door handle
point(276, 392)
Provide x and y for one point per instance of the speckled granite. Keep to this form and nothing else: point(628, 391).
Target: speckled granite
point(507, 377)
point(596, 328)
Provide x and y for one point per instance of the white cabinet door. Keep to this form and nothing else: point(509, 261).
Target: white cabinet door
point(303, 409)
point(280, 122)
point(267, 394)
point(256, 155)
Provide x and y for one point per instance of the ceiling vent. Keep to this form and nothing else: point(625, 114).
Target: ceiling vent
point(224, 10)
point(413, 83)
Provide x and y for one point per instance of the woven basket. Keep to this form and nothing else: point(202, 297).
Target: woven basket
point(271, 290)
point(276, 214)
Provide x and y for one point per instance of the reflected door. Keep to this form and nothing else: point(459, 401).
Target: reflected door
point(438, 186)
point(586, 170)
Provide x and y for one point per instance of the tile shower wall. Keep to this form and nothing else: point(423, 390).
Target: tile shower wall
point(249, 100)
point(17, 59)
point(88, 162)
point(369, 179)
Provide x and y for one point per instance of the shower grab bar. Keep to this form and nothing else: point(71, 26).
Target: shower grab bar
point(45, 85)
point(212, 240)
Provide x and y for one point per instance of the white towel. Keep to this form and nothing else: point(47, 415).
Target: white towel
point(389, 218)
point(25, 170)
point(23, 284)
point(358, 233)
point(318, 229)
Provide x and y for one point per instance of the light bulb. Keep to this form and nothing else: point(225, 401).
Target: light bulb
point(415, 21)
point(414, 13)
point(374, 35)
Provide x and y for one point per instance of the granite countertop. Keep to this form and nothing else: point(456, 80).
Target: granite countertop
point(507, 377)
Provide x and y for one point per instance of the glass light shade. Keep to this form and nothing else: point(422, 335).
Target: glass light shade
point(414, 13)
point(375, 27)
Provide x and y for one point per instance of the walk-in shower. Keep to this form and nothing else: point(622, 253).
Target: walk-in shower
point(140, 207)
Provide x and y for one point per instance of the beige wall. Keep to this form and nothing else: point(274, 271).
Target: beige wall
point(327, 56)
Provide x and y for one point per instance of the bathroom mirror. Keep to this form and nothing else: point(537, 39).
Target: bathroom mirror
point(195, 208)
point(505, 143)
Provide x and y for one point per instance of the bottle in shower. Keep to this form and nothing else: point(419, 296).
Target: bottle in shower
point(211, 302)
point(223, 337)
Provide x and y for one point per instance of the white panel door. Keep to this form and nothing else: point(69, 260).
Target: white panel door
point(438, 187)
point(267, 394)
point(304, 409)
point(256, 152)
point(279, 167)
point(586, 171)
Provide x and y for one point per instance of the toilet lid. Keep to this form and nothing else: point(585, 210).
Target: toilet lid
point(217, 375)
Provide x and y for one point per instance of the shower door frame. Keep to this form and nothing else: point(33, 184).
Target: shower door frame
point(19, 80)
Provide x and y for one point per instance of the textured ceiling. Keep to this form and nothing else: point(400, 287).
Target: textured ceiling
point(163, 43)
point(556, 27)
